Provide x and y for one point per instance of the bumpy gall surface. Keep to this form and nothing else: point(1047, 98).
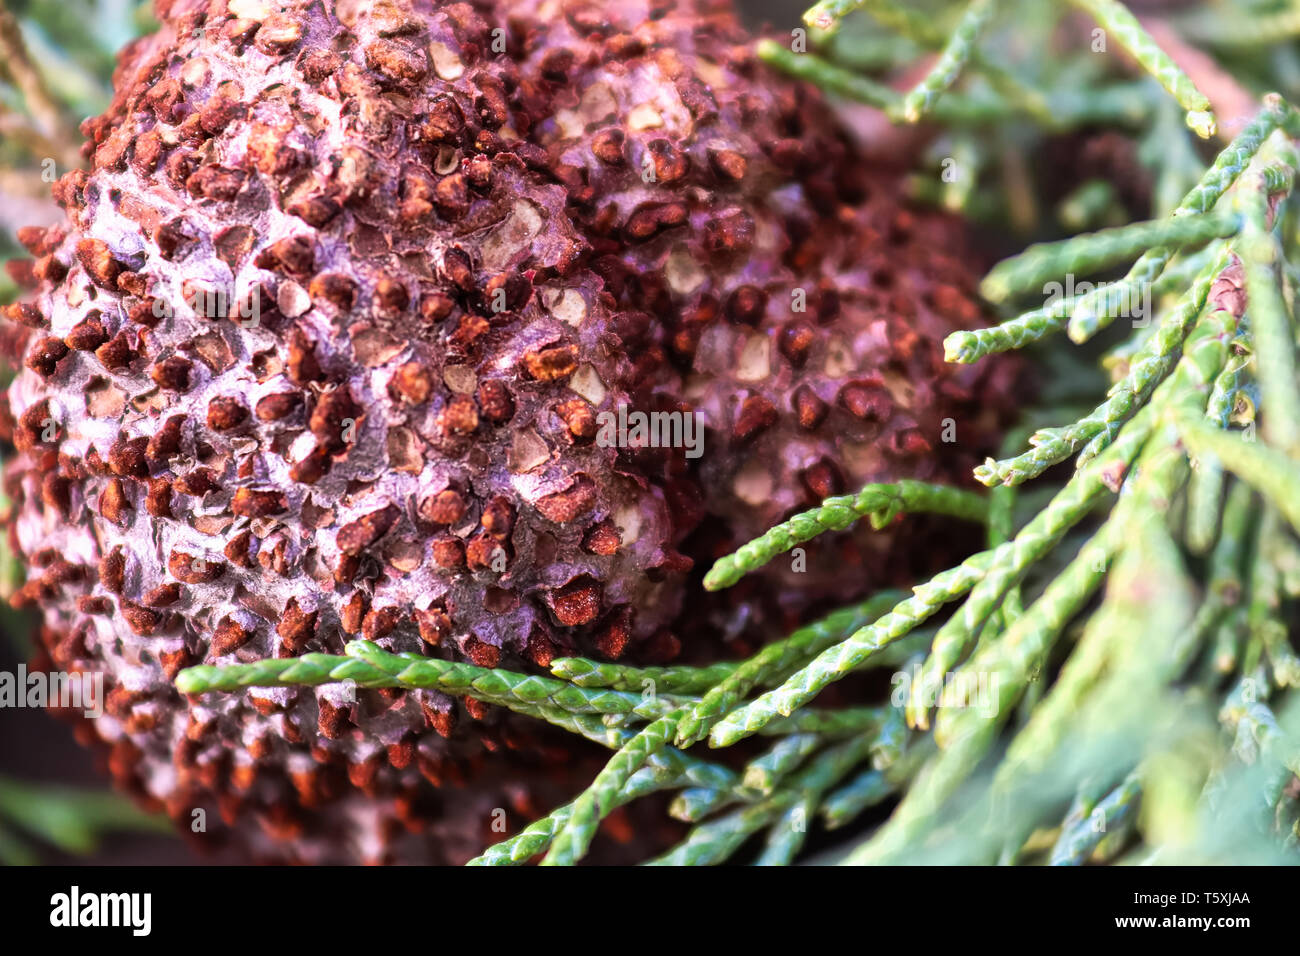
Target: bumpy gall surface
point(323, 348)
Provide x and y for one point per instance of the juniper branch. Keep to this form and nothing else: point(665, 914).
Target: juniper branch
point(764, 773)
point(967, 346)
point(775, 660)
point(787, 835)
point(839, 660)
point(1151, 365)
point(40, 102)
point(827, 14)
point(966, 735)
point(1097, 308)
point(1259, 28)
point(1091, 252)
point(989, 575)
point(667, 680)
point(861, 793)
point(1113, 17)
point(1011, 560)
point(1079, 837)
point(1225, 585)
point(1265, 469)
point(369, 666)
point(1206, 486)
point(713, 842)
point(1263, 612)
point(668, 769)
point(880, 502)
point(955, 109)
point(1272, 331)
point(1163, 469)
point(601, 797)
point(956, 52)
point(694, 804)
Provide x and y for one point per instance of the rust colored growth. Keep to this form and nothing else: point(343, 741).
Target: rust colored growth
point(112, 571)
point(87, 335)
point(333, 288)
point(796, 340)
point(332, 721)
point(380, 622)
point(607, 145)
point(119, 351)
point(273, 408)
point(250, 503)
point(97, 259)
point(355, 537)
point(173, 374)
point(551, 364)
point(165, 443)
point(482, 653)
point(129, 458)
point(229, 636)
point(194, 569)
point(196, 483)
point(313, 467)
point(439, 254)
point(729, 232)
point(728, 164)
point(867, 400)
point(334, 418)
point(448, 552)
point(576, 603)
point(445, 508)
point(565, 506)
point(459, 416)
point(226, 413)
point(615, 633)
point(756, 415)
point(115, 504)
point(434, 625)
point(158, 497)
point(602, 538)
point(579, 418)
point(142, 620)
point(498, 518)
point(237, 550)
point(302, 364)
point(295, 256)
point(495, 401)
point(668, 162)
point(650, 219)
point(482, 552)
point(45, 356)
point(164, 595)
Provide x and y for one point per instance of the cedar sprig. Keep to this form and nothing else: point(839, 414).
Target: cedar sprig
point(774, 662)
point(1083, 831)
point(1113, 17)
point(1090, 312)
point(1091, 252)
point(879, 503)
point(668, 680)
point(1146, 369)
point(956, 52)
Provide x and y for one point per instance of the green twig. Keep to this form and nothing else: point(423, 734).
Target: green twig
point(880, 503)
point(961, 44)
point(1088, 253)
point(773, 662)
point(1113, 17)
